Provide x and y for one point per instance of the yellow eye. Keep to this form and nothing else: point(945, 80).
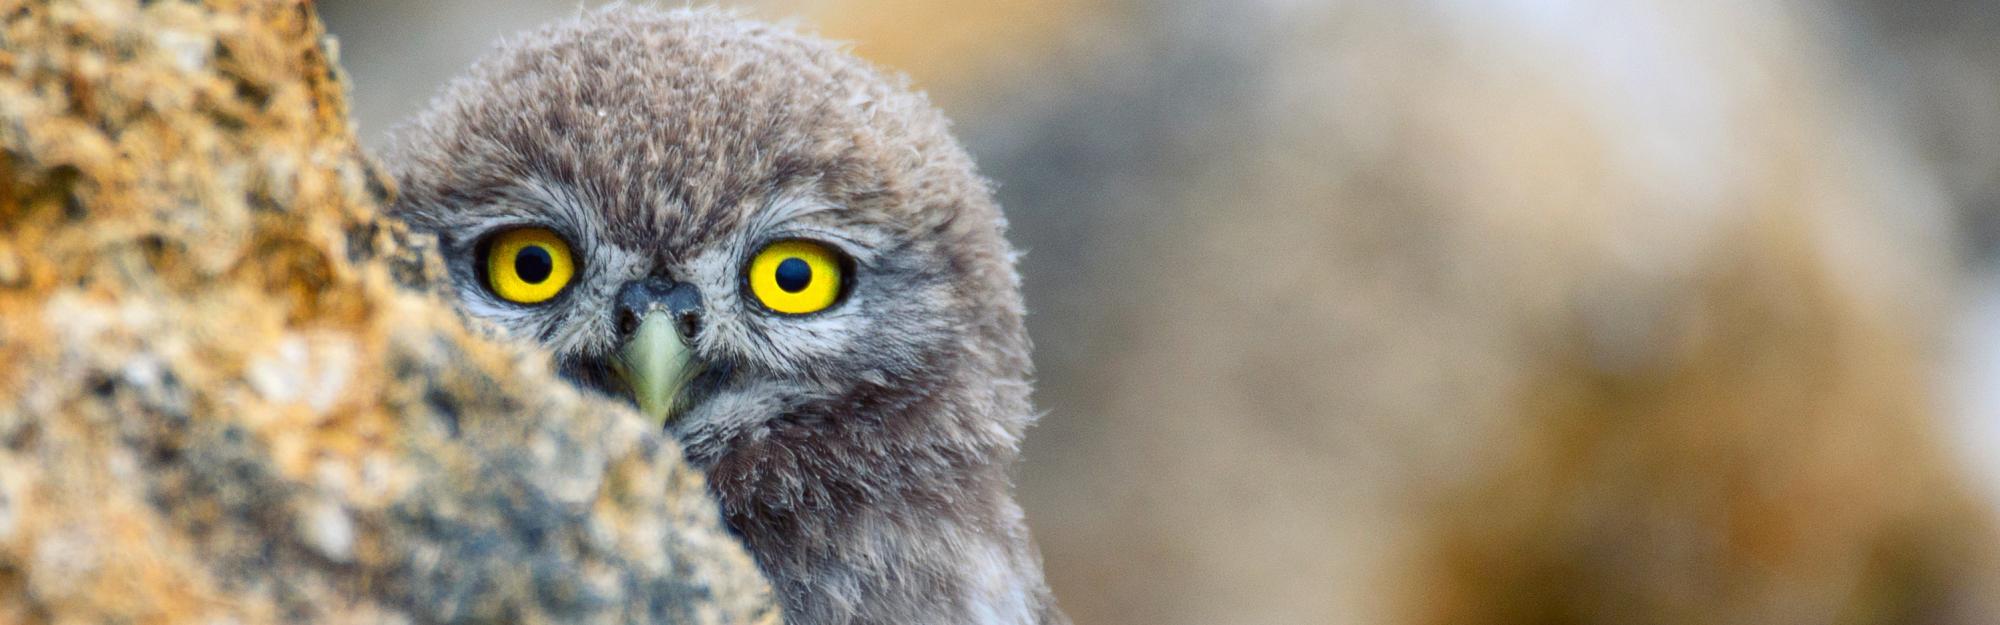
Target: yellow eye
point(796, 277)
point(528, 265)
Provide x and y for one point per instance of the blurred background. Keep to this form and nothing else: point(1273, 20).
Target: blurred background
point(1464, 311)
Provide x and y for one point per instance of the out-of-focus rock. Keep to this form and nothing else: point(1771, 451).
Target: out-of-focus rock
point(1937, 64)
point(221, 400)
point(1481, 312)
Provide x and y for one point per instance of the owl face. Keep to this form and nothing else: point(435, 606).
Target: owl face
point(795, 303)
point(746, 232)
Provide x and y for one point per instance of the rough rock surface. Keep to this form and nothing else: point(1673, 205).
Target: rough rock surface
point(221, 400)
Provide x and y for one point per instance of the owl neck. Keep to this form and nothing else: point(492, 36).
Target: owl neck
point(896, 515)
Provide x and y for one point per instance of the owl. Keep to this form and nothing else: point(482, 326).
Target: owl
point(782, 256)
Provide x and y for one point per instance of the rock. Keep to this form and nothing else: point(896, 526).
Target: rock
point(229, 392)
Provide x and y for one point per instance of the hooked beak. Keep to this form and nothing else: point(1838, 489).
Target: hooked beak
point(655, 364)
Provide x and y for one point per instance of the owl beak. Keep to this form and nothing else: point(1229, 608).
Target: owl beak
point(655, 364)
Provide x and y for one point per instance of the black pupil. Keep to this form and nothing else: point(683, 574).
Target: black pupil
point(794, 275)
point(532, 264)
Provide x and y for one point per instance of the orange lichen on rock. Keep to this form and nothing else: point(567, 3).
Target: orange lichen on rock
point(229, 393)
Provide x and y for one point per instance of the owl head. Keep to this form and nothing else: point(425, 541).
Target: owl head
point(745, 231)
point(783, 257)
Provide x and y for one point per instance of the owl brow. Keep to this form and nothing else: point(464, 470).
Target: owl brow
point(786, 207)
point(861, 248)
point(534, 201)
point(779, 219)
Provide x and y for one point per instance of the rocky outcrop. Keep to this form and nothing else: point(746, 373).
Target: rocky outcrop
point(228, 392)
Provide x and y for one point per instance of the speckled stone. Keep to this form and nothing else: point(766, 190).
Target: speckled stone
point(229, 393)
